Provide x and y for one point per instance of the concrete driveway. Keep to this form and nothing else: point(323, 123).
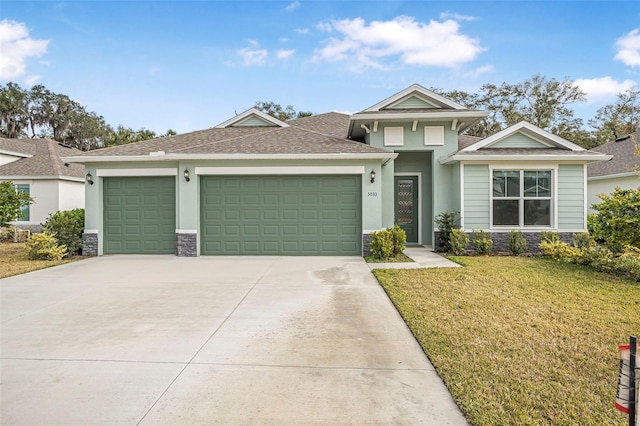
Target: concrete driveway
point(226, 340)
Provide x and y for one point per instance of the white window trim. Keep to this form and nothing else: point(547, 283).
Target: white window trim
point(521, 198)
point(419, 175)
point(433, 130)
point(388, 142)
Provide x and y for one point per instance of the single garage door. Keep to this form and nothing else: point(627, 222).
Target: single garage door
point(140, 215)
point(283, 215)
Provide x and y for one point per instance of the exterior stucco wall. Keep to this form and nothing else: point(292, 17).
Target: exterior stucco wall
point(71, 195)
point(597, 186)
point(45, 194)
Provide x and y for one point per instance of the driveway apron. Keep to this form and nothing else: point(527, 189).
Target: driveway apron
point(126, 340)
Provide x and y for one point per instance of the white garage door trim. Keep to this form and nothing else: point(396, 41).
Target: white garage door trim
point(293, 170)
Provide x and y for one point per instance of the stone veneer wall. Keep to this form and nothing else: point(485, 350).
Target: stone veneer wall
point(366, 245)
point(89, 244)
point(187, 245)
point(501, 241)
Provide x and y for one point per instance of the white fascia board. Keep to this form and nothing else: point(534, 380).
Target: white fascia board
point(180, 157)
point(301, 170)
point(50, 177)
point(15, 153)
point(164, 171)
point(422, 116)
point(252, 111)
point(425, 93)
point(533, 157)
point(529, 130)
point(615, 176)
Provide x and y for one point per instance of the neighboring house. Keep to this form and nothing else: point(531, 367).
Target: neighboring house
point(34, 166)
point(322, 184)
point(619, 172)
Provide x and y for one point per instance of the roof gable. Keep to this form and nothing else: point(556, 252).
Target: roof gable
point(523, 135)
point(252, 117)
point(415, 96)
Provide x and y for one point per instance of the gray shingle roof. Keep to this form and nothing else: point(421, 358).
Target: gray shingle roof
point(317, 134)
point(466, 140)
point(624, 159)
point(45, 159)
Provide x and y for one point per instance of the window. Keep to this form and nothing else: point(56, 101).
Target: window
point(521, 198)
point(24, 217)
point(434, 135)
point(394, 136)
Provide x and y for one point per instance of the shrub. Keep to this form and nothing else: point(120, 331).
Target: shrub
point(517, 243)
point(458, 241)
point(382, 244)
point(617, 220)
point(560, 251)
point(482, 241)
point(67, 226)
point(446, 222)
point(44, 246)
point(399, 237)
point(11, 203)
point(549, 237)
point(583, 240)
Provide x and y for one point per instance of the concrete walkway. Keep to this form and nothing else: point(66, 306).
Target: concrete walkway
point(162, 340)
point(423, 257)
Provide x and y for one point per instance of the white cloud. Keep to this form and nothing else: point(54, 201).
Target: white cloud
point(603, 88)
point(301, 31)
point(324, 27)
point(457, 17)
point(15, 47)
point(31, 80)
point(480, 70)
point(284, 54)
point(292, 6)
point(253, 56)
point(628, 47)
point(410, 42)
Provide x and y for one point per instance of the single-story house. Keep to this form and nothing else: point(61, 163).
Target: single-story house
point(35, 166)
point(619, 172)
point(320, 185)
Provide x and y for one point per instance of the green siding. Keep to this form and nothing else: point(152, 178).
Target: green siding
point(476, 196)
point(413, 102)
point(139, 215)
point(518, 140)
point(254, 121)
point(571, 197)
point(281, 215)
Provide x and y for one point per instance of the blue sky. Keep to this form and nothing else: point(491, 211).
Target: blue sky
point(190, 65)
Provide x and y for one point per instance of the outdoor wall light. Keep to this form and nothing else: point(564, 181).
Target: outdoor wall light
point(186, 175)
point(89, 178)
point(373, 176)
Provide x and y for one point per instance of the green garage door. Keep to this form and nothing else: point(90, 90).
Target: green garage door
point(140, 215)
point(285, 215)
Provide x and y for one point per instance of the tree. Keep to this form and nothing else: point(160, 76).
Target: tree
point(619, 119)
point(11, 203)
point(277, 111)
point(538, 100)
point(14, 117)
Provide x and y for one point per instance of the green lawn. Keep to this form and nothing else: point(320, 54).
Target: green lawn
point(14, 261)
point(521, 341)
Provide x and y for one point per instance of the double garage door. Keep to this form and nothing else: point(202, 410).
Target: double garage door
point(239, 215)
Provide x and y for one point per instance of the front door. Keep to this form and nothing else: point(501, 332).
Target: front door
point(406, 202)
